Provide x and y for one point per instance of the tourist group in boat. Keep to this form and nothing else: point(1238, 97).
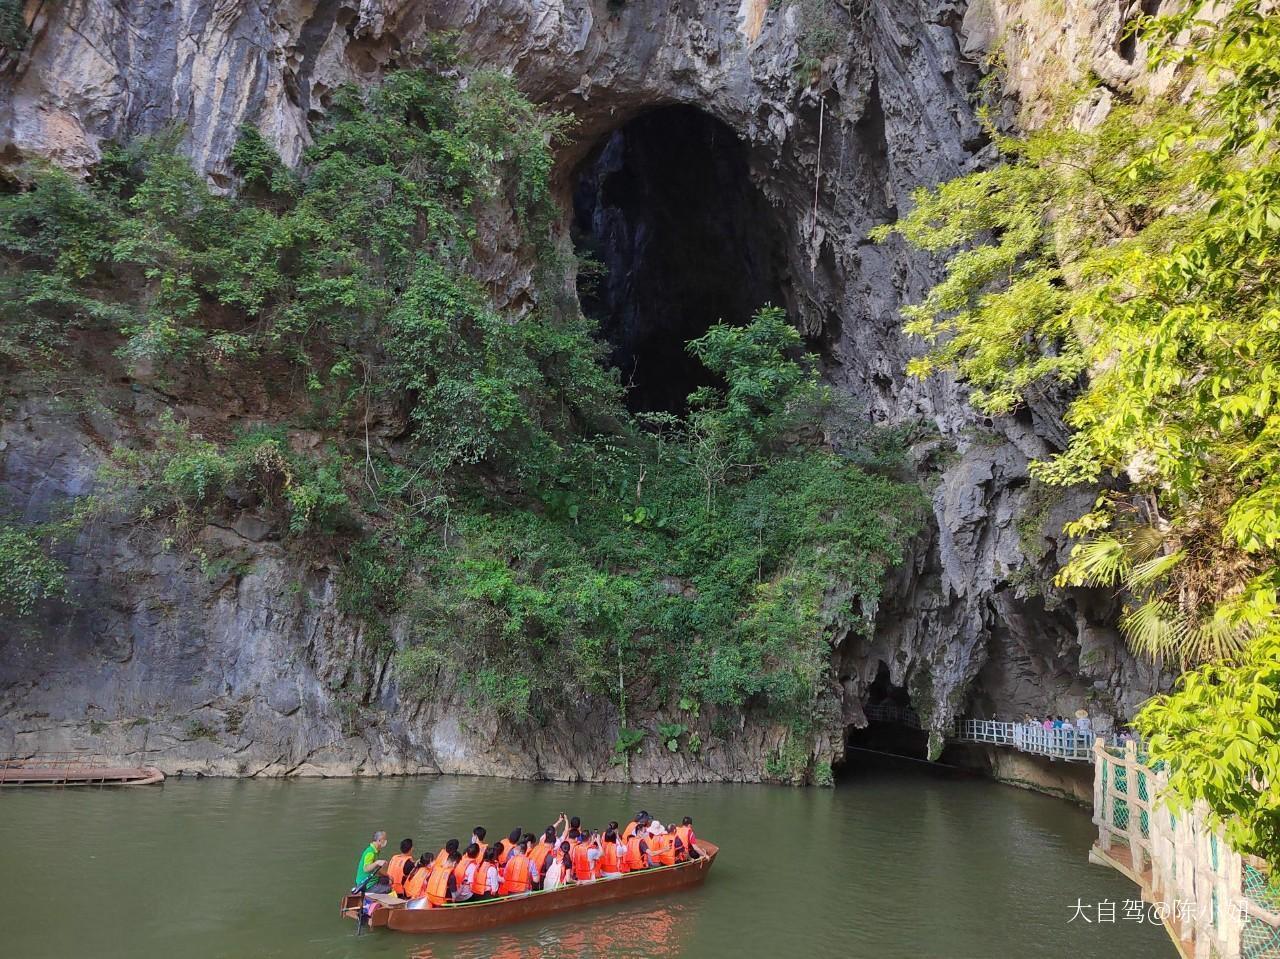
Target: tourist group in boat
point(564, 854)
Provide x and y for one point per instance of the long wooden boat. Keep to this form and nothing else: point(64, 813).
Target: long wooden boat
point(472, 917)
point(75, 772)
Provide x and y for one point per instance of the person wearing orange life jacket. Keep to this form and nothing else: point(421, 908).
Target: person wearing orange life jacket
point(415, 883)
point(623, 866)
point(637, 857)
point(687, 839)
point(485, 881)
point(477, 837)
point(396, 866)
point(583, 858)
point(674, 848)
point(442, 886)
point(465, 872)
point(443, 855)
point(559, 869)
point(542, 850)
point(611, 826)
point(640, 822)
point(508, 844)
point(612, 856)
point(519, 874)
point(655, 839)
point(595, 850)
point(662, 850)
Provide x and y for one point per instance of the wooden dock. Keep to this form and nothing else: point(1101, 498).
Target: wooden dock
point(75, 771)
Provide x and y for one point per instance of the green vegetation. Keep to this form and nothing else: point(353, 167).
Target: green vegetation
point(1220, 737)
point(182, 477)
point(27, 575)
point(670, 734)
point(771, 543)
point(1140, 261)
point(14, 32)
point(534, 542)
point(822, 30)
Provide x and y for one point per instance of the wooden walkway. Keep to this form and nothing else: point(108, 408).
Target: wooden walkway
point(77, 771)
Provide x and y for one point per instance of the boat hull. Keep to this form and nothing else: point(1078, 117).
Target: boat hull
point(500, 912)
point(75, 773)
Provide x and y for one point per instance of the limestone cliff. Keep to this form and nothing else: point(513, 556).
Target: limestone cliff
point(844, 109)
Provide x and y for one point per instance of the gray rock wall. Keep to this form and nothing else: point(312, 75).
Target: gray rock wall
point(251, 669)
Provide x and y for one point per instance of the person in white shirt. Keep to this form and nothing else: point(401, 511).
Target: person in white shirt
point(488, 868)
point(558, 871)
point(473, 860)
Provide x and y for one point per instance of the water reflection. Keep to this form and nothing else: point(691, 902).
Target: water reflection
point(652, 930)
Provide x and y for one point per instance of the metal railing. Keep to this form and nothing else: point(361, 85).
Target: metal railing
point(1064, 742)
point(892, 713)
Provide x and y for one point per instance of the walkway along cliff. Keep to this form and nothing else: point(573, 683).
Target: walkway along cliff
point(817, 120)
point(1213, 900)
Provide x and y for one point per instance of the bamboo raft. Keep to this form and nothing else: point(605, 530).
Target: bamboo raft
point(75, 771)
point(393, 913)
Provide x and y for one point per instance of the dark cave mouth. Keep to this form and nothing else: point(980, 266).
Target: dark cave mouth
point(684, 239)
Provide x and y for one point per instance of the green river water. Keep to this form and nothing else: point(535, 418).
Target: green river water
point(888, 865)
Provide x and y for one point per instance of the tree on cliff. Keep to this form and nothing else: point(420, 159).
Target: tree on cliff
point(1140, 262)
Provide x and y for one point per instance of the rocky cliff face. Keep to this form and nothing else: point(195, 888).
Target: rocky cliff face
point(843, 111)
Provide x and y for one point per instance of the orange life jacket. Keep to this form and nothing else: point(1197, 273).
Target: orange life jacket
point(539, 855)
point(635, 858)
point(460, 871)
point(478, 884)
point(415, 886)
point(629, 831)
point(609, 860)
point(580, 858)
point(438, 887)
point(507, 847)
point(441, 858)
point(516, 875)
point(664, 850)
point(686, 837)
point(395, 872)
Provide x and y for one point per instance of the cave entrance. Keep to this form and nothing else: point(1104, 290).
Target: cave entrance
point(893, 739)
point(683, 238)
point(893, 728)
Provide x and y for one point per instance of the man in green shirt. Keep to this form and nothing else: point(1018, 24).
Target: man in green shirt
point(370, 865)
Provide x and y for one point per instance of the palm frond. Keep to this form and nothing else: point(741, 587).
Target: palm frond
point(1099, 562)
point(1157, 629)
point(1145, 542)
point(1151, 570)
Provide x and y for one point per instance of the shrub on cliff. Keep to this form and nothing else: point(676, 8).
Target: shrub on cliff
point(28, 576)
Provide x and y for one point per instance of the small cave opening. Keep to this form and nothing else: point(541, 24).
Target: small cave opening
point(683, 238)
point(892, 740)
